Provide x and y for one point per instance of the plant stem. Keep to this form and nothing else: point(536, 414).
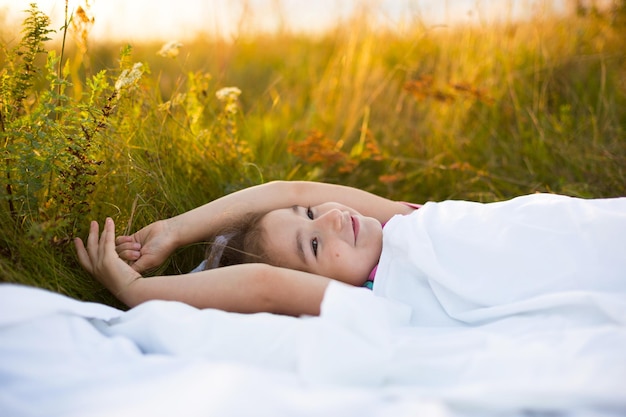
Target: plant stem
point(65, 24)
point(8, 187)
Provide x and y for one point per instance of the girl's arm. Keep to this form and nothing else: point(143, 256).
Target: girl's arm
point(195, 225)
point(151, 245)
point(248, 288)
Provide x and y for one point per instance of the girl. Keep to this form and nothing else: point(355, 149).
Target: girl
point(251, 287)
point(453, 262)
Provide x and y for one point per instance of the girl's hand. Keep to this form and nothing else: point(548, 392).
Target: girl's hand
point(101, 260)
point(148, 248)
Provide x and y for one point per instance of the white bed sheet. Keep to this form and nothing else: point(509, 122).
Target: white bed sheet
point(63, 357)
point(459, 262)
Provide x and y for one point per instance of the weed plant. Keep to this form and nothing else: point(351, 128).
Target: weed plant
point(482, 112)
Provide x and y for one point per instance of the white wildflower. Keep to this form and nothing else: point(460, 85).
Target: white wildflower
point(176, 101)
point(231, 107)
point(228, 94)
point(128, 78)
point(170, 49)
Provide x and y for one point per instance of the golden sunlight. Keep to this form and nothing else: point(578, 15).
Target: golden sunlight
point(140, 20)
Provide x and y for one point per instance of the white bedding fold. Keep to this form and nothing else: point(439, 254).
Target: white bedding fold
point(458, 262)
point(165, 358)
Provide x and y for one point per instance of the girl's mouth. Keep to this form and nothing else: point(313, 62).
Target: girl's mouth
point(355, 227)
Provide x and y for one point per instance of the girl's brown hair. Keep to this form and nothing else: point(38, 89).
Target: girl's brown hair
point(241, 242)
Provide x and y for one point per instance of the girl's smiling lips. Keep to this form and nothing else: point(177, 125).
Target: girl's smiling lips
point(355, 227)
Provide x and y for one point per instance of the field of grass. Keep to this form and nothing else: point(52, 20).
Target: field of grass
point(481, 113)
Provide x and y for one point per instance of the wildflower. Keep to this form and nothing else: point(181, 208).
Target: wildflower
point(128, 78)
point(176, 101)
point(391, 178)
point(228, 94)
point(170, 49)
point(231, 108)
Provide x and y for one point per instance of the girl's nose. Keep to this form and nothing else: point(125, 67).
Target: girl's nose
point(332, 219)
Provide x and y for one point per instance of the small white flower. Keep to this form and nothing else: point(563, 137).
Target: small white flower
point(177, 100)
point(128, 78)
point(231, 107)
point(228, 94)
point(170, 49)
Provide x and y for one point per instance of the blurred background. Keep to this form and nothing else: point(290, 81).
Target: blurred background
point(140, 20)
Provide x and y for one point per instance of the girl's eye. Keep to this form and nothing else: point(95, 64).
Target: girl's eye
point(314, 246)
point(309, 213)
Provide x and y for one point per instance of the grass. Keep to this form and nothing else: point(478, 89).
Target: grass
point(482, 113)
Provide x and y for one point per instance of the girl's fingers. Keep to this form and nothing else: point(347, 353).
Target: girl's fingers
point(92, 240)
point(127, 248)
point(99, 246)
point(103, 240)
point(132, 246)
point(129, 255)
point(120, 240)
point(107, 240)
point(83, 257)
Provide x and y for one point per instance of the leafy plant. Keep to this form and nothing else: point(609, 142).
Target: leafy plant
point(50, 140)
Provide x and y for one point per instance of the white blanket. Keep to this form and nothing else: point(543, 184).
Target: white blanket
point(362, 357)
point(458, 263)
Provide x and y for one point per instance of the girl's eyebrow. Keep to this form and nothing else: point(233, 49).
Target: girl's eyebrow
point(299, 247)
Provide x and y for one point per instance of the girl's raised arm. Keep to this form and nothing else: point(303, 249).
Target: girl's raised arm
point(150, 246)
point(305, 193)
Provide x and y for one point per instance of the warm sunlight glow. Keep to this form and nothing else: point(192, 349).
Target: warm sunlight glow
point(136, 20)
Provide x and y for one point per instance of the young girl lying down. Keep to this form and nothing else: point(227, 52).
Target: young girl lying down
point(276, 247)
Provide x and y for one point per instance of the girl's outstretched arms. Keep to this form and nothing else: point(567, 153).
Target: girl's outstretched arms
point(150, 246)
point(248, 288)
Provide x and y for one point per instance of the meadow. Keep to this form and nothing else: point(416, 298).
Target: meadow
point(418, 113)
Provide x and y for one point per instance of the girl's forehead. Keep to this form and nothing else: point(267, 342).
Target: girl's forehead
point(281, 228)
point(283, 213)
point(282, 222)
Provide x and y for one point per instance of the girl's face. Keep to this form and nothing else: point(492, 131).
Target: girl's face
point(330, 239)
